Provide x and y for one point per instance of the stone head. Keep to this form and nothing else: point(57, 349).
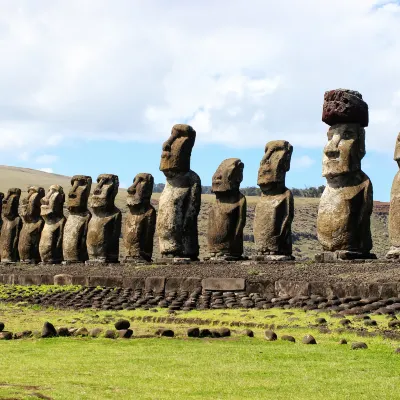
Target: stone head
point(397, 150)
point(344, 151)
point(30, 206)
point(275, 163)
point(105, 192)
point(53, 202)
point(79, 193)
point(228, 176)
point(176, 151)
point(1, 201)
point(141, 190)
point(11, 203)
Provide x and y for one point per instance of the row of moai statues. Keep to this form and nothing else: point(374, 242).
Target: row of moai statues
point(38, 231)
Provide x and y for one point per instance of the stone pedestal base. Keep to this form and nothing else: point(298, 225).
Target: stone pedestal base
point(173, 260)
point(69, 262)
point(342, 255)
point(101, 261)
point(219, 259)
point(33, 262)
point(273, 257)
point(8, 262)
point(393, 253)
point(135, 260)
point(52, 262)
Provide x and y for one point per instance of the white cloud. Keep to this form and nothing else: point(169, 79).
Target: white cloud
point(242, 75)
point(48, 170)
point(302, 162)
point(46, 159)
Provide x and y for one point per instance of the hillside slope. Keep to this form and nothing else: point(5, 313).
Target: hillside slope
point(305, 243)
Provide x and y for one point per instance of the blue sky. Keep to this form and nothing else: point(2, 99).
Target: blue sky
point(93, 87)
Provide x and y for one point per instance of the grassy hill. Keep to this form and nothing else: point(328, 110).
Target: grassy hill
point(305, 243)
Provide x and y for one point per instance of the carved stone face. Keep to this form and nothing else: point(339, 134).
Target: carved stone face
point(275, 163)
point(30, 205)
point(397, 150)
point(344, 151)
point(11, 203)
point(79, 194)
point(228, 176)
point(141, 190)
point(52, 203)
point(176, 151)
point(105, 192)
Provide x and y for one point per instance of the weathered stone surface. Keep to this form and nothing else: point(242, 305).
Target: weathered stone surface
point(1, 209)
point(248, 332)
point(394, 211)
point(270, 335)
point(223, 284)
point(32, 225)
point(63, 279)
point(179, 203)
point(227, 216)
point(11, 227)
point(291, 288)
point(388, 290)
point(122, 324)
point(48, 330)
point(140, 222)
point(343, 106)
point(50, 245)
point(28, 280)
point(342, 341)
point(81, 332)
point(275, 210)
point(165, 332)
point(104, 227)
point(76, 227)
point(105, 281)
point(264, 288)
point(185, 284)
point(319, 288)
point(309, 339)
point(110, 334)
point(125, 333)
point(288, 338)
point(63, 331)
point(343, 223)
point(1, 326)
point(95, 332)
point(358, 346)
point(7, 279)
point(6, 335)
point(155, 283)
point(193, 332)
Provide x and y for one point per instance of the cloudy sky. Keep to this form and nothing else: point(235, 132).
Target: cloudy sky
point(94, 86)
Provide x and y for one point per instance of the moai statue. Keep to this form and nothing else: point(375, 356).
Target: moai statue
point(179, 204)
point(343, 223)
point(227, 216)
point(275, 209)
point(1, 209)
point(105, 225)
point(394, 212)
point(140, 222)
point(51, 210)
point(11, 228)
point(76, 227)
point(32, 225)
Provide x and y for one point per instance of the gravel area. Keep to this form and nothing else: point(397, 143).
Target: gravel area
point(372, 271)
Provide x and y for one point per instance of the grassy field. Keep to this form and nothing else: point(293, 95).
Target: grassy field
point(305, 243)
point(237, 367)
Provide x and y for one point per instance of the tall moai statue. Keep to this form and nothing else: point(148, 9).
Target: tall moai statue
point(105, 225)
point(275, 209)
point(51, 210)
point(32, 225)
point(11, 228)
point(227, 216)
point(140, 222)
point(76, 227)
point(394, 212)
point(179, 204)
point(343, 223)
point(1, 209)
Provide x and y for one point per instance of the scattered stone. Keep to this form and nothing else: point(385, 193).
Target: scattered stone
point(205, 333)
point(359, 345)
point(342, 341)
point(397, 351)
point(225, 332)
point(5, 335)
point(345, 322)
point(193, 332)
point(63, 331)
point(288, 338)
point(309, 339)
point(165, 332)
point(215, 333)
point(270, 335)
point(1, 326)
point(81, 332)
point(125, 333)
point(23, 335)
point(110, 334)
point(122, 324)
point(95, 332)
point(48, 330)
point(394, 324)
point(321, 321)
point(370, 322)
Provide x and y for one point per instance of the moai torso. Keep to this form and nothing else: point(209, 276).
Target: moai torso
point(104, 227)
point(343, 222)
point(76, 227)
point(50, 246)
point(179, 204)
point(272, 224)
point(11, 227)
point(32, 226)
point(227, 217)
point(140, 221)
point(275, 209)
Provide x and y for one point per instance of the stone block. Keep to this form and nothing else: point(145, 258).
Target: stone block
point(47, 279)
point(182, 284)
point(7, 279)
point(292, 288)
point(319, 288)
point(264, 288)
point(63, 279)
point(80, 280)
point(110, 281)
point(155, 283)
point(388, 290)
point(133, 283)
point(27, 280)
point(223, 284)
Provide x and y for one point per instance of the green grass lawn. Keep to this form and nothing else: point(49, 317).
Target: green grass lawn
point(180, 368)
